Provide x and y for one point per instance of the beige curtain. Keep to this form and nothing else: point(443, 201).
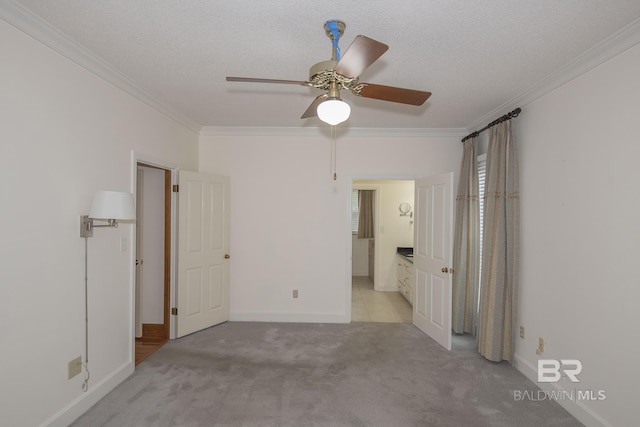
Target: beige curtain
point(466, 244)
point(500, 247)
point(365, 218)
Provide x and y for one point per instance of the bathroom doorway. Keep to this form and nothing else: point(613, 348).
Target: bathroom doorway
point(375, 293)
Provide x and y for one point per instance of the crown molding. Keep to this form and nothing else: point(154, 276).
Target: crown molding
point(617, 43)
point(24, 20)
point(340, 131)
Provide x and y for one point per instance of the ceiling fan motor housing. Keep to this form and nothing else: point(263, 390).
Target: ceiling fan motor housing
point(321, 67)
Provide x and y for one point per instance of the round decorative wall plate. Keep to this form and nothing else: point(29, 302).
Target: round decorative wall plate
point(405, 208)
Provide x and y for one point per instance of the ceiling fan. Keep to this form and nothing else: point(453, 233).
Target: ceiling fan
point(342, 72)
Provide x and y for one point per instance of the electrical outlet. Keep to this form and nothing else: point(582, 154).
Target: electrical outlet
point(540, 349)
point(75, 367)
point(295, 293)
point(522, 332)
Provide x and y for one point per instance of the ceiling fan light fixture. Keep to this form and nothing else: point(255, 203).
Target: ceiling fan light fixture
point(333, 111)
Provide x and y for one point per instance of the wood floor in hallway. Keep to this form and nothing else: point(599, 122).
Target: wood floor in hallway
point(369, 305)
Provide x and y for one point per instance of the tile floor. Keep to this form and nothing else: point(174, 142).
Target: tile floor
point(368, 305)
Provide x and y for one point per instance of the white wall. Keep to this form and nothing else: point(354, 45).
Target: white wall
point(290, 222)
point(65, 133)
point(579, 151)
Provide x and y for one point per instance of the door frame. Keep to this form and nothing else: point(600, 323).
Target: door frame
point(170, 241)
point(364, 176)
point(166, 264)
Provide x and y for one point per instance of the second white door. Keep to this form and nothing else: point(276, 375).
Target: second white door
point(432, 255)
point(203, 251)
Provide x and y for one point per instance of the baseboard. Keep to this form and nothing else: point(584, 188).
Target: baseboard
point(79, 406)
point(289, 317)
point(575, 407)
point(388, 288)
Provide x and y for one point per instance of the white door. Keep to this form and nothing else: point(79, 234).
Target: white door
point(432, 254)
point(203, 248)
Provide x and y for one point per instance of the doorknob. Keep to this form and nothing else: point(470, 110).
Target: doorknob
point(445, 270)
point(227, 256)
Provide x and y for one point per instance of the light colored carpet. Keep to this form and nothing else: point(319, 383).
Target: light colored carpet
point(299, 374)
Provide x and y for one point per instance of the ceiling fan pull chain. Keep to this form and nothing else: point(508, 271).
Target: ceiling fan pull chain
point(335, 32)
point(333, 152)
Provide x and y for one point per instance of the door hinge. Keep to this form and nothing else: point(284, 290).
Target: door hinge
point(175, 188)
point(174, 311)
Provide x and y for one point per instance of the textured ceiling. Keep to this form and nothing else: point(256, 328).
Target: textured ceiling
point(475, 56)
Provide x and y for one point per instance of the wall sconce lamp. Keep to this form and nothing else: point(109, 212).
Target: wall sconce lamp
point(110, 206)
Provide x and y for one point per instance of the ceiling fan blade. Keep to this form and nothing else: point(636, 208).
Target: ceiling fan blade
point(394, 94)
point(362, 52)
point(313, 108)
point(252, 80)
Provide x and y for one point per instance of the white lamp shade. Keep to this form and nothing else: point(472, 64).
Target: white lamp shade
point(113, 205)
point(333, 111)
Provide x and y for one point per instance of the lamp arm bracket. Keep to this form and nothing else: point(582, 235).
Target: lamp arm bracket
point(87, 225)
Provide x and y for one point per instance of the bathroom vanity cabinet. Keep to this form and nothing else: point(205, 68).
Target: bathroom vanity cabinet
point(405, 275)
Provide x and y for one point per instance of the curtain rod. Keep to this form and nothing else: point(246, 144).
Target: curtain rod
point(504, 118)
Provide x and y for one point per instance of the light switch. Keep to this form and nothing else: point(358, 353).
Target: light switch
point(124, 242)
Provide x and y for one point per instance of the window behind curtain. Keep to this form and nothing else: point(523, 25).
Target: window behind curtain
point(482, 170)
point(355, 213)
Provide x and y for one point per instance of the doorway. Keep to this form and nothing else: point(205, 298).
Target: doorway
point(431, 261)
point(375, 295)
point(153, 259)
